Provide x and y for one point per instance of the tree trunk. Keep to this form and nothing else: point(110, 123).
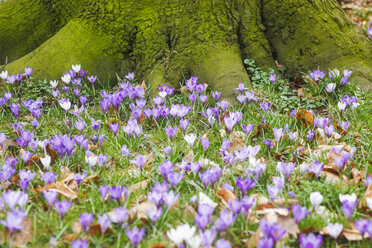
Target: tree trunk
point(162, 41)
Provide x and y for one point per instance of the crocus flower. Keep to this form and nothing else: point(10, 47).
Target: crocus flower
point(310, 240)
point(85, 219)
point(205, 143)
point(114, 128)
point(119, 215)
point(330, 87)
point(265, 243)
point(364, 226)
point(265, 106)
point(76, 68)
point(272, 78)
point(140, 161)
point(170, 131)
point(184, 123)
point(317, 75)
point(222, 243)
point(273, 231)
point(245, 184)
point(79, 177)
point(104, 222)
point(65, 104)
point(116, 192)
point(104, 189)
point(135, 235)
point(286, 169)
point(79, 243)
point(14, 220)
point(170, 198)
point(154, 213)
point(208, 236)
point(299, 212)
point(181, 233)
point(13, 198)
point(341, 161)
point(92, 78)
point(223, 105)
point(190, 139)
point(216, 95)
point(334, 229)
point(174, 178)
point(62, 207)
point(349, 203)
point(49, 177)
point(316, 168)
point(50, 197)
point(316, 199)
point(310, 135)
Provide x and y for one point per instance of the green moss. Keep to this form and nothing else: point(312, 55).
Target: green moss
point(25, 24)
point(310, 34)
point(76, 43)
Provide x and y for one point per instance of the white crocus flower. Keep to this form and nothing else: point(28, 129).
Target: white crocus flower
point(4, 75)
point(181, 233)
point(316, 198)
point(341, 106)
point(91, 160)
point(163, 94)
point(369, 202)
point(76, 68)
point(330, 87)
point(190, 139)
point(334, 229)
point(46, 162)
point(350, 198)
point(54, 83)
point(194, 242)
point(65, 104)
point(66, 78)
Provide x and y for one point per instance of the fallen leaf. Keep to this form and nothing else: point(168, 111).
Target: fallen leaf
point(142, 85)
point(367, 194)
point(157, 245)
point(76, 227)
point(305, 116)
point(139, 186)
point(95, 230)
point(70, 237)
point(260, 128)
point(236, 144)
point(225, 195)
point(140, 211)
point(300, 92)
point(204, 199)
point(351, 233)
point(51, 153)
point(21, 237)
point(253, 240)
point(340, 129)
point(61, 188)
point(8, 143)
point(190, 156)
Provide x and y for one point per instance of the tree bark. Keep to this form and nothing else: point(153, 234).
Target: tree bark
point(164, 41)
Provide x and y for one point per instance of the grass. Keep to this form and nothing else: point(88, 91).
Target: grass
point(283, 95)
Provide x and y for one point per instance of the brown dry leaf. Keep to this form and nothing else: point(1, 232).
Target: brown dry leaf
point(223, 116)
point(289, 225)
point(61, 188)
point(236, 144)
point(22, 237)
point(253, 240)
point(190, 156)
point(28, 117)
point(367, 194)
point(142, 117)
point(4, 185)
point(142, 85)
point(340, 129)
point(300, 92)
point(260, 128)
point(93, 178)
point(225, 195)
point(139, 211)
point(204, 199)
point(34, 159)
point(305, 116)
point(76, 227)
point(95, 230)
point(351, 233)
point(139, 186)
point(51, 153)
point(157, 245)
point(70, 237)
point(183, 90)
point(7, 143)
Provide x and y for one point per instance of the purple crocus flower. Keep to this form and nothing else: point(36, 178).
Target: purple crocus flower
point(207, 237)
point(14, 220)
point(28, 71)
point(225, 220)
point(80, 124)
point(247, 129)
point(245, 184)
point(79, 243)
point(299, 212)
point(364, 226)
point(310, 135)
point(170, 131)
point(135, 235)
point(286, 169)
point(272, 78)
point(85, 219)
point(223, 104)
point(92, 78)
point(15, 107)
point(240, 88)
point(120, 215)
point(278, 133)
point(311, 240)
point(205, 143)
point(170, 198)
point(49, 177)
point(193, 97)
point(316, 168)
point(341, 161)
point(104, 189)
point(216, 95)
point(268, 144)
point(26, 156)
point(273, 191)
point(116, 192)
point(174, 178)
point(130, 76)
point(184, 123)
point(62, 207)
point(202, 221)
point(83, 100)
point(265, 106)
point(140, 161)
point(105, 104)
point(79, 177)
point(115, 128)
point(50, 197)
point(316, 75)
point(95, 124)
point(348, 208)
point(329, 130)
point(104, 222)
point(101, 138)
point(265, 243)
point(272, 231)
point(154, 213)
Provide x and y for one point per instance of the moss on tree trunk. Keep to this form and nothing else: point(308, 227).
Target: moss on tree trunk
point(163, 40)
